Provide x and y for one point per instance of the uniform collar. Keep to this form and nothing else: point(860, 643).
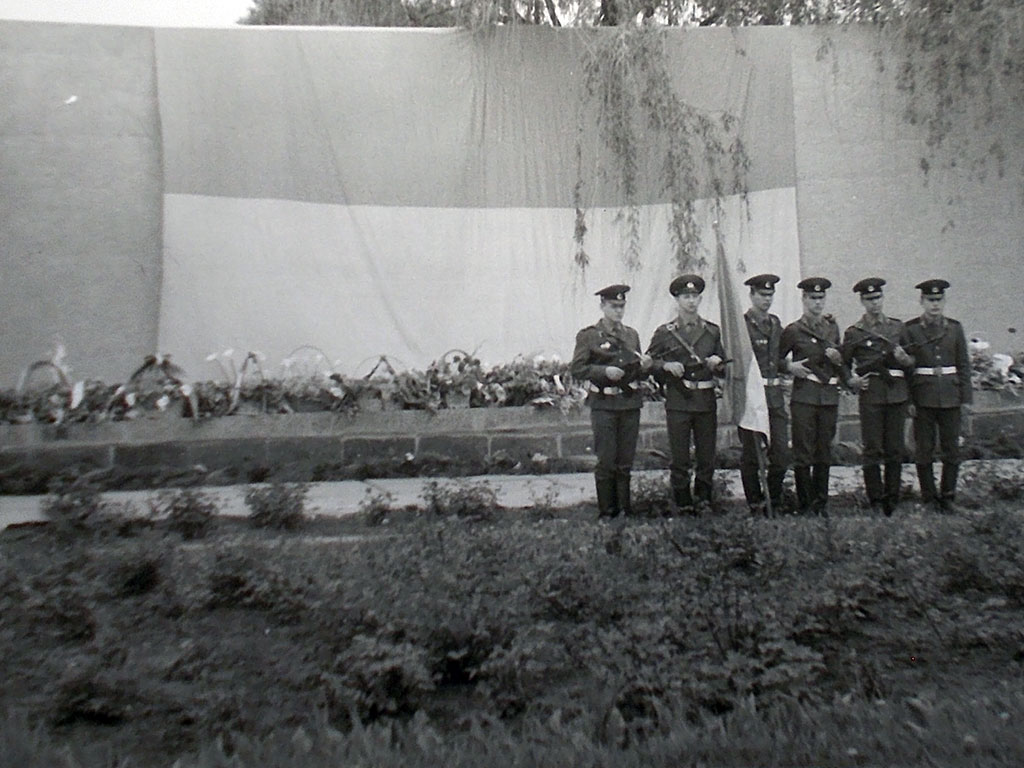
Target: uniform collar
point(607, 325)
point(686, 323)
point(757, 317)
point(867, 322)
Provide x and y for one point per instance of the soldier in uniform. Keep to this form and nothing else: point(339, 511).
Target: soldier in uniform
point(874, 346)
point(687, 354)
point(817, 368)
point(940, 385)
point(765, 332)
point(608, 356)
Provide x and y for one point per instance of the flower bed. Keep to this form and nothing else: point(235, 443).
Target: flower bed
point(457, 380)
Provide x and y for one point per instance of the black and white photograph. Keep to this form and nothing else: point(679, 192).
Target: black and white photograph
point(511, 383)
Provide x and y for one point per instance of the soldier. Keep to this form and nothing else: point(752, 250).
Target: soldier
point(817, 368)
point(688, 354)
point(941, 384)
point(608, 355)
point(874, 347)
point(765, 332)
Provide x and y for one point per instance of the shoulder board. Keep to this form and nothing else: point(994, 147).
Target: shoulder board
point(913, 321)
point(895, 320)
point(709, 324)
point(951, 321)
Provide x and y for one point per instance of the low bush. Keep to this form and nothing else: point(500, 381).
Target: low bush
point(188, 512)
point(466, 500)
point(281, 506)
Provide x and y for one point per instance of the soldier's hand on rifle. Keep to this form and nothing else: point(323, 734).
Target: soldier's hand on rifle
point(713, 362)
point(858, 383)
point(834, 356)
point(645, 362)
point(799, 370)
point(901, 356)
point(614, 373)
point(676, 369)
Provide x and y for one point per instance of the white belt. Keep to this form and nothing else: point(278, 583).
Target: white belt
point(816, 380)
point(944, 370)
point(896, 373)
point(612, 390)
point(698, 384)
point(773, 382)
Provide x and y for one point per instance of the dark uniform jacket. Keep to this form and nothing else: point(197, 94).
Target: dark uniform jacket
point(940, 349)
point(868, 347)
point(599, 346)
point(799, 338)
point(695, 391)
point(766, 337)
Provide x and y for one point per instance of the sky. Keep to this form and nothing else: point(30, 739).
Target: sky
point(147, 13)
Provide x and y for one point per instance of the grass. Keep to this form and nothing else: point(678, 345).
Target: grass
point(521, 638)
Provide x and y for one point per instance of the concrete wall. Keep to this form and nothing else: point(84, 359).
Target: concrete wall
point(866, 208)
point(245, 442)
point(80, 197)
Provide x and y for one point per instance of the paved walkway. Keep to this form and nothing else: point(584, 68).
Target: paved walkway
point(513, 491)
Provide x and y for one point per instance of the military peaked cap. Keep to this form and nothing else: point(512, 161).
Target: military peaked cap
point(869, 286)
point(932, 287)
point(686, 284)
point(765, 282)
point(814, 284)
point(613, 293)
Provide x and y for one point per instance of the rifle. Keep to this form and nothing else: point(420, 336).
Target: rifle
point(824, 375)
point(878, 366)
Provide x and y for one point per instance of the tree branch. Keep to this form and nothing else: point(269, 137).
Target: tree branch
point(555, 21)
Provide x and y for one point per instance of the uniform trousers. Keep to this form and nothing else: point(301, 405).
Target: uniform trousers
point(945, 421)
point(881, 438)
point(814, 427)
point(615, 436)
point(778, 458)
point(702, 427)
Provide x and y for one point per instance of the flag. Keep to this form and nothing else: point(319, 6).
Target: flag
point(744, 400)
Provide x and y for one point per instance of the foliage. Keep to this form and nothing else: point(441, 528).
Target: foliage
point(465, 500)
point(724, 640)
point(960, 68)
point(279, 505)
point(187, 511)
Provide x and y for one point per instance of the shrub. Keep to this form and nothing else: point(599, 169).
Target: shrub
point(376, 506)
point(279, 505)
point(188, 512)
point(378, 676)
point(651, 496)
point(470, 501)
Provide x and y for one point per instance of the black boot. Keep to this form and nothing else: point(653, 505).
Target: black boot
point(893, 478)
point(804, 493)
point(607, 504)
point(873, 486)
point(702, 495)
point(622, 493)
point(820, 486)
point(926, 478)
point(775, 480)
point(947, 485)
point(684, 501)
point(751, 486)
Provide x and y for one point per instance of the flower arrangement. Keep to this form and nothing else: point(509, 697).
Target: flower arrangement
point(307, 382)
point(995, 370)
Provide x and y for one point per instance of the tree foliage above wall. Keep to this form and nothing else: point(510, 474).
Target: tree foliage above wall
point(961, 69)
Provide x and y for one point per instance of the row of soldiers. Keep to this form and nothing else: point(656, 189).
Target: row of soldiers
point(889, 363)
